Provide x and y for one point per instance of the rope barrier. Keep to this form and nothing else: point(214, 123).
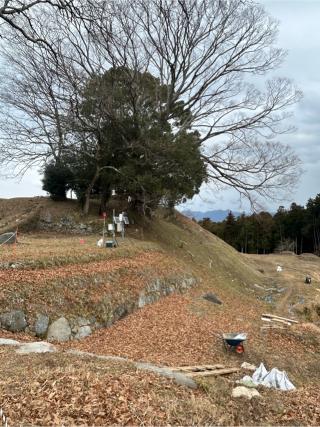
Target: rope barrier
point(13, 234)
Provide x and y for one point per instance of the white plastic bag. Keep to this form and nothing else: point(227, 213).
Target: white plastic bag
point(273, 379)
point(278, 379)
point(259, 374)
point(100, 243)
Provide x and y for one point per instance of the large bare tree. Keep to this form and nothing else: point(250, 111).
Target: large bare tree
point(34, 108)
point(215, 57)
point(40, 88)
point(17, 14)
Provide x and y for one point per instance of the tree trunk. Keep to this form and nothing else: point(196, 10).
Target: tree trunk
point(87, 193)
point(103, 200)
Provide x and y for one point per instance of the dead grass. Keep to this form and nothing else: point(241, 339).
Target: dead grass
point(18, 211)
point(92, 289)
point(177, 330)
point(58, 389)
point(48, 250)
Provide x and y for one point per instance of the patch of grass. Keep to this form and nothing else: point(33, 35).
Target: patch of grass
point(45, 251)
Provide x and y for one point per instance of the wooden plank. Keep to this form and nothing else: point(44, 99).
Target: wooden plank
point(276, 320)
point(279, 317)
point(197, 369)
point(194, 368)
point(272, 327)
point(182, 367)
point(213, 373)
point(185, 368)
point(284, 322)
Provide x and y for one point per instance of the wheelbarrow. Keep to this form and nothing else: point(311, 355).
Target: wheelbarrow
point(234, 342)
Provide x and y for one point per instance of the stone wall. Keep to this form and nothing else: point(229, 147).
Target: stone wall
point(66, 327)
point(66, 224)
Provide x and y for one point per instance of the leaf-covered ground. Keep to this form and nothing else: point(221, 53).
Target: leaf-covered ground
point(50, 271)
point(60, 389)
point(40, 251)
point(186, 330)
point(76, 289)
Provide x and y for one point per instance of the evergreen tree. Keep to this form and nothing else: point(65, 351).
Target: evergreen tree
point(230, 229)
point(56, 180)
point(125, 141)
point(295, 229)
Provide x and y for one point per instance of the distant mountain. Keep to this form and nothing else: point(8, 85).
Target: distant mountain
point(217, 215)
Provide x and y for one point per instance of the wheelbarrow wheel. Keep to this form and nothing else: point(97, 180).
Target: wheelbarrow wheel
point(239, 349)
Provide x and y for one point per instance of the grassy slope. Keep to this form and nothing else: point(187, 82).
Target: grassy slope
point(187, 329)
point(204, 251)
point(178, 330)
point(24, 213)
point(173, 246)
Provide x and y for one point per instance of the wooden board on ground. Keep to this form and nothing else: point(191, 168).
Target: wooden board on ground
point(213, 373)
point(198, 368)
point(267, 319)
point(205, 370)
point(273, 317)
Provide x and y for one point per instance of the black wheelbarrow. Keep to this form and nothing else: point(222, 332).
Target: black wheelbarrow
point(234, 342)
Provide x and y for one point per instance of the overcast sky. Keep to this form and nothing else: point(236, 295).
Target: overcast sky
point(300, 35)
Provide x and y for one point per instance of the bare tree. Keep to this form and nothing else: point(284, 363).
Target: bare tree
point(40, 88)
point(34, 107)
point(41, 94)
point(16, 14)
point(211, 55)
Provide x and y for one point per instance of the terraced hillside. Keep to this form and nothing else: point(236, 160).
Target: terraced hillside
point(143, 301)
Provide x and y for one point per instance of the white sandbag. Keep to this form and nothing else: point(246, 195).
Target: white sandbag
point(273, 379)
point(247, 382)
point(249, 366)
point(259, 374)
point(278, 379)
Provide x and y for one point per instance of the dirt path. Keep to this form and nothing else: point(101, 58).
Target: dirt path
point(297, 293)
